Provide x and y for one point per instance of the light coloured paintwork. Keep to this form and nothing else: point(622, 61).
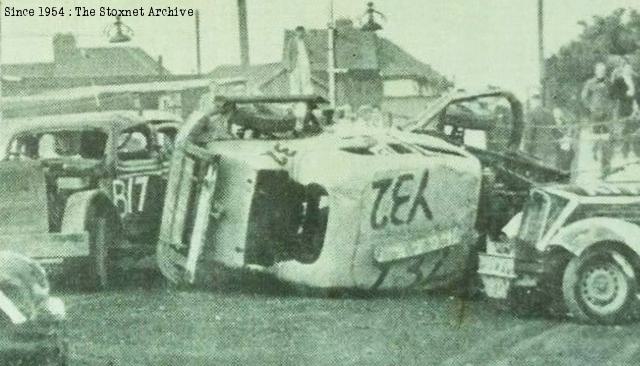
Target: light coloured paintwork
point(580, 235)
point(348, 256)
point(23, 213)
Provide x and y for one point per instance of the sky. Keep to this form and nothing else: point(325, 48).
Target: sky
point(474, 42)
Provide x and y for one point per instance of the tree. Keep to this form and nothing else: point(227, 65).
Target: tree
point(606, 36)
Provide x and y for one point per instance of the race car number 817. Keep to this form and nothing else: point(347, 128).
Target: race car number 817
point(129, 194)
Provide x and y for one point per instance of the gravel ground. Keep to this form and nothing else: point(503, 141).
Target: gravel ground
point(159, 326)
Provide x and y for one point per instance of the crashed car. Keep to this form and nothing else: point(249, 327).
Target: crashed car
point(79, 188)
point(332, 208)
point(575, 246)
point(32, 330)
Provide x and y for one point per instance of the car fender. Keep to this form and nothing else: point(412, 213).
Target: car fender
point(77, 208)
point(580, 235)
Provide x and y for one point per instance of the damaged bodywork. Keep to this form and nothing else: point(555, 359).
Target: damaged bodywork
point(573, 246)
point(339, 207)
point(353, 208)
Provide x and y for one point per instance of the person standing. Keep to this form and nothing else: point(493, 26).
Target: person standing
point(563, 139)
point(596, 98)
point(624, 90)
point(299, 64)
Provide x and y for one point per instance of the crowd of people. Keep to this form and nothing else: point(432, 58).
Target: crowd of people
point(611, 100)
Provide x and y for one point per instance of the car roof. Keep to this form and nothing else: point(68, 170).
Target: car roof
point(107, 120)
point(118, 120)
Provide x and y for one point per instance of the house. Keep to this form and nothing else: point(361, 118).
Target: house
point(372, 70)
point(180, 97)
point(74, 66)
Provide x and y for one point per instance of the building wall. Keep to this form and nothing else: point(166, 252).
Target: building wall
point(359, 89)
point(406, 107)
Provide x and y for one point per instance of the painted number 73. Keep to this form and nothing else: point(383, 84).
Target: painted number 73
point(392, 187)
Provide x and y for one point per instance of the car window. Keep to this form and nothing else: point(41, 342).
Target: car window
point(483, 123)
point(165, 138)
point(59, 145)
point(134, 145)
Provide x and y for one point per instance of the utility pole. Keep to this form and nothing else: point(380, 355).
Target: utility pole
point(244, 33)
point(541, 58)
point(198, 55)
point(331, 59)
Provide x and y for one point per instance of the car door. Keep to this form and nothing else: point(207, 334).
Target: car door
point(23, 199)
point(139, 184)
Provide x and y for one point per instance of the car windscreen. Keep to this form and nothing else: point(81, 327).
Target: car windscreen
point(484, 122)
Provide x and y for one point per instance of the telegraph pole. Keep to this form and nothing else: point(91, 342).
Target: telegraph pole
point(541, 59)
point(198, 55)
point(331, 64)
point(243, 29)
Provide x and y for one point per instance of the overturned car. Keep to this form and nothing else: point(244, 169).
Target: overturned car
point(320, 205)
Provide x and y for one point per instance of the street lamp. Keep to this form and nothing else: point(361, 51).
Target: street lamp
point(371, 25)
point(118, 32)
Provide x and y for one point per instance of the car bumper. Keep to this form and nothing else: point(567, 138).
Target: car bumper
point(47, 246)
point(500, 272)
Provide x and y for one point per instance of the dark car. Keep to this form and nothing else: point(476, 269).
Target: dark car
point(79, 189)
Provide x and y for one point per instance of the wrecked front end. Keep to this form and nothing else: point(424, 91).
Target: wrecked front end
point(519, 259)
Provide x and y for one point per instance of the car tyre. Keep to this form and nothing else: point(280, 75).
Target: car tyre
point(599, 286)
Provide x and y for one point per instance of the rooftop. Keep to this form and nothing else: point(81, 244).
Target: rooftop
point(73, 61)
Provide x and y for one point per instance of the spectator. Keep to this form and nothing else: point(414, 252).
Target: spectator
point(563, 139)
point(623, 89)
point(596, 98)
point(626, 95)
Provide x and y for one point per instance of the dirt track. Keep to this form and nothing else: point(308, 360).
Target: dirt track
point(166, 327)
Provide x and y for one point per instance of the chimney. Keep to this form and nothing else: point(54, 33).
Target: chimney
point(344, 23)
point(64, 47)
point(160, 66)
point(244, 33)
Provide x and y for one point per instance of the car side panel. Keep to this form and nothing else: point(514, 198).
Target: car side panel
point(23, 198)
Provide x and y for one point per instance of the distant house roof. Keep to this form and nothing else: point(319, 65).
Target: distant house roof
point(110, 61)
point(255, 75)
point(72, 61)
point(356, 49)
point(36, 69)
point(396, 63)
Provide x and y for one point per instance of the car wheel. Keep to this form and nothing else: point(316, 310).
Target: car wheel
point(599, 286)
